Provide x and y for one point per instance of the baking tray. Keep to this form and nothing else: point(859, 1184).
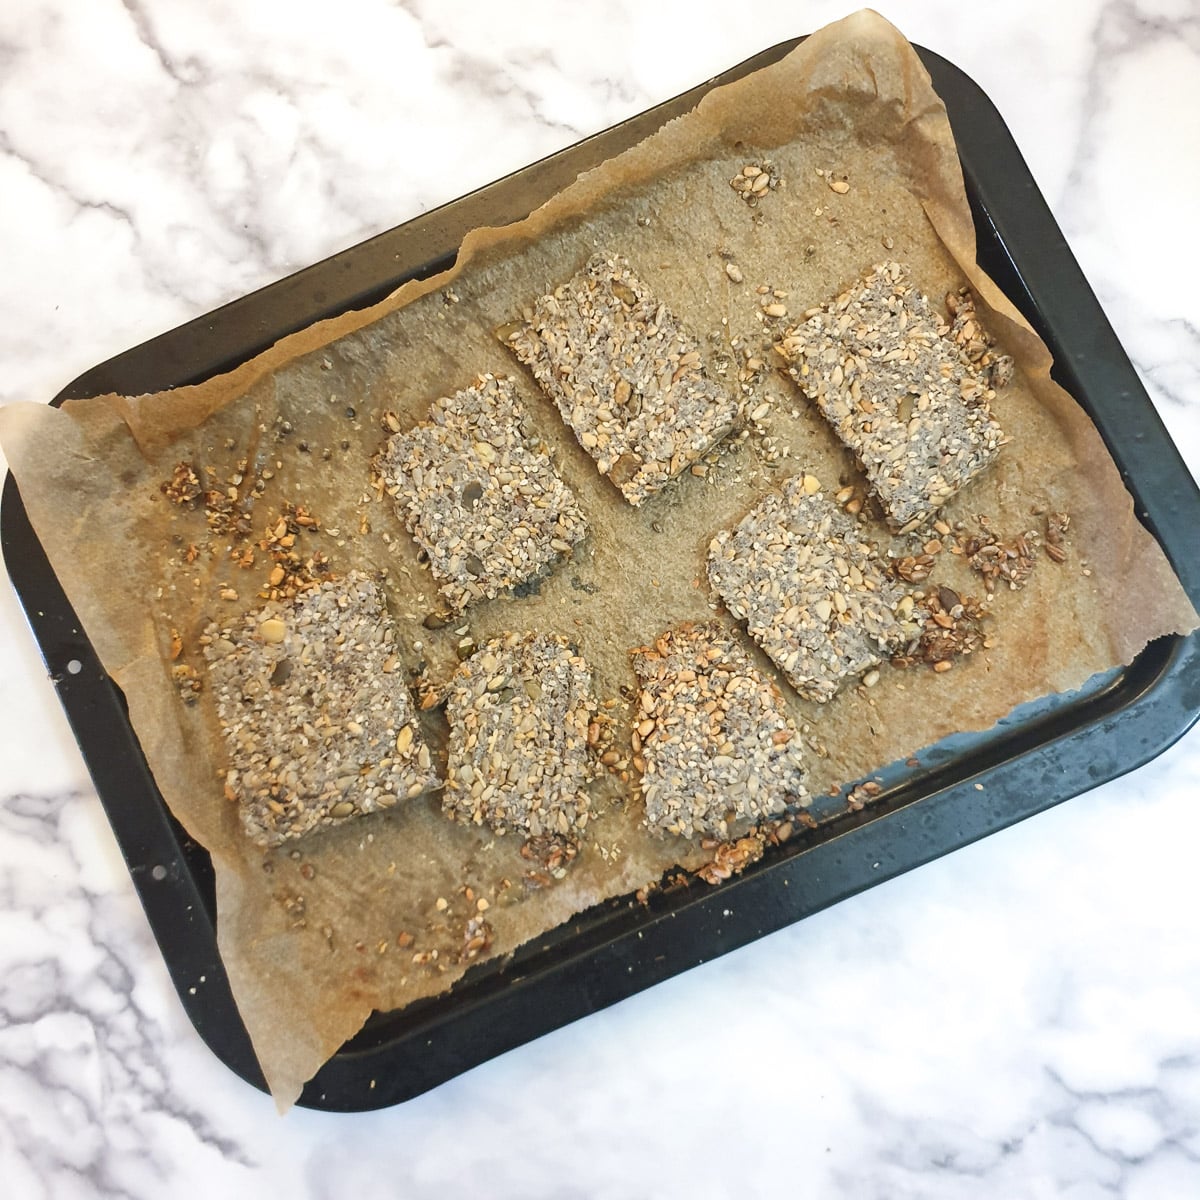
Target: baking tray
point(1041, 754)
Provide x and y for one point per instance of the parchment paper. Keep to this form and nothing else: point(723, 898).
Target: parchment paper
point(316, 937)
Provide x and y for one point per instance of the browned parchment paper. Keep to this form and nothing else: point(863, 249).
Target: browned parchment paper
point(349, 922)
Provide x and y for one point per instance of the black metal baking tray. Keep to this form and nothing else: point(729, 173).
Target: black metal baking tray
point(1041, 754)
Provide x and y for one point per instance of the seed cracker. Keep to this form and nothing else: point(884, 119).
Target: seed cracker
point(813, 594)
point(314, 714)
point(485, 503)
point(718, 744)
point(519, 710)
point(627, 376)
point(907, 393)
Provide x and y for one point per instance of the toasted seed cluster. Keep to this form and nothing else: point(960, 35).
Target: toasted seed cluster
point(951, 627)
point(1057, 524)
point(812, 593)
point(484, 502)
point(627, 376)
point(1000, 561)
point(992, 368)
point(314, 713)
point(754, 180)
point(900, 390)
point(519, 710)
point(718, 744)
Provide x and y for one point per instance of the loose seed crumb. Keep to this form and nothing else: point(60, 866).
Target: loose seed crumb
point(755, 180)
point(951, 628)
point(993, 559)
point(732, 858)
point(1057, 524)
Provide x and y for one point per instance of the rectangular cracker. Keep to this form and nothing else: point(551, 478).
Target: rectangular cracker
point(487, 505)
point(716, 741)
point(315, 716)
point(906, 393)
point(812, 593)
point(627, 376)
point(519, 710)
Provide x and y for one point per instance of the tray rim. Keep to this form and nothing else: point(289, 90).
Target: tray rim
point(863, 854)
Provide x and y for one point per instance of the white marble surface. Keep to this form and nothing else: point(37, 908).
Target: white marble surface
point(1021, 1019)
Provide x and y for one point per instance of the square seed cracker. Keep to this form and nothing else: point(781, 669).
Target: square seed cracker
point(909, 400)
point(485, 503)
point(519, 710)
point(812, 593)
point(718, 744)
point(627, 376)
point(316, 720)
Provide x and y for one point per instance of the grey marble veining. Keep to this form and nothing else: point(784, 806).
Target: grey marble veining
point(1021, 1019)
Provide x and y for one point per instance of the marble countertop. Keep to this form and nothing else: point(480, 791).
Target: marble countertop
point(1021, 1018)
